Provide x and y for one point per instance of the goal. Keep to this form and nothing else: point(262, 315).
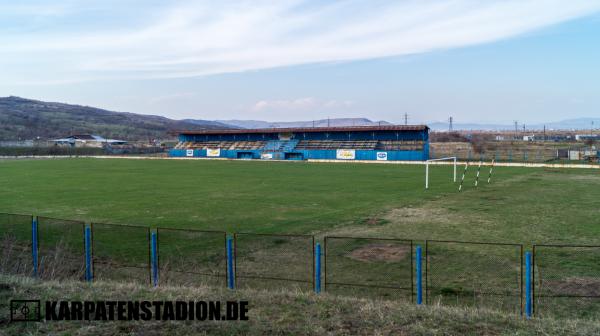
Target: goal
point(452, 158)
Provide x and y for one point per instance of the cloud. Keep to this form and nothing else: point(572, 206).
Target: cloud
point(308, 103)
point(182, 39)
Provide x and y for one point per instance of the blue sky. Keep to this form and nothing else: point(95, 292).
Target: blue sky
point(479, 61)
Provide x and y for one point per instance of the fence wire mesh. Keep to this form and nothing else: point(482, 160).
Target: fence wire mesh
point(369, 267)
point(15, 242)
point(566, 281)
point(474, 274)
point(61, 248)
point(121, 252)
point(271, 260)
point(192, 257)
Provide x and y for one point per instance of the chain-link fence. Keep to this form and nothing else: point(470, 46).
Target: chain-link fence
point(566, 281)
point(274, 260)
point(474, 274)
point(192, 257)
point(500, 153)
point(369, 266)
point(61, 248)
point(566, 278)
point(121, 252)
point(15, 243)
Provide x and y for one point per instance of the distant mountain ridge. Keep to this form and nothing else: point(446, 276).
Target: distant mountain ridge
point(22, 118)
point(567, 124)
point(333, 122)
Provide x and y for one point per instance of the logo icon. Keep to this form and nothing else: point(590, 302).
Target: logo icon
point(24, 310)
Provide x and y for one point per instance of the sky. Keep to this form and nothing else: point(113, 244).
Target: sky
point(478, 61)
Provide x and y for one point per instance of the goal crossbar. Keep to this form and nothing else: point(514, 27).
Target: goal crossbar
point(453, 158)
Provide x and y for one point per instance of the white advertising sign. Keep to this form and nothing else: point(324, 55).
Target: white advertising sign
point(345, 154)
point(381, 156)
point(266, 156)
point(189, 152)
point(213, 152)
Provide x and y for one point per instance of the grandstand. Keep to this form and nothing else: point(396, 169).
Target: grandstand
point(390, 142)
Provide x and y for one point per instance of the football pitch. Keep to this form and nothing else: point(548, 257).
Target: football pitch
point(521, 205)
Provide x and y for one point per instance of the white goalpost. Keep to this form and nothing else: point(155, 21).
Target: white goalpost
point(453, 158)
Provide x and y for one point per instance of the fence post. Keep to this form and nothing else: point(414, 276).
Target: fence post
point(318, 268)
point(88, 254)
point(154, 258)
point(230, 282)
point(34, 245)
point(528, 298)
point(419, 276)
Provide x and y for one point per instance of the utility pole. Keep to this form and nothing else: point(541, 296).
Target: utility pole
point(516, 129)
point(544, 132)
point(450, 124)
point(405, 118)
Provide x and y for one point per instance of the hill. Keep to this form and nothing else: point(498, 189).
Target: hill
point(583, 124)
point(274, 313)
point(22, 118)
point(311, 123)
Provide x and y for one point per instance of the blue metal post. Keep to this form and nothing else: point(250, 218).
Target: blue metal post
point(88, 254)
point(318, 268)
point(419, 276)
point(34, 245)
point(528, 299)
point(230, 282)
point(154, 254)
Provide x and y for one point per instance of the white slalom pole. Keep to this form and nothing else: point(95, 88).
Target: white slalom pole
point(477, 177)
point(427, 175)
point(455, 169)
point(463, 177)
point(491, 168)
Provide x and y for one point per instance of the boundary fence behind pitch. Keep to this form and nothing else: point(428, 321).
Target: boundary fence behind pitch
point(560, 280)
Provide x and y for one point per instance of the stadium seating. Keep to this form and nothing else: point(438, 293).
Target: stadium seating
point(400, 145)
point(290, 145)
point(225, 145)
point(336, 144)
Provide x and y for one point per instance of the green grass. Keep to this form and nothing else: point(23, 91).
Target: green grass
point(521, 205)
point(217, 195)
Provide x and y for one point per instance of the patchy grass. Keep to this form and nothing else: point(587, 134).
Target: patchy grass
point(521, 205)
point(275, 313)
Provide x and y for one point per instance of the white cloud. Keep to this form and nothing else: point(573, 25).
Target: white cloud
point(300, 104)
point(206, 37)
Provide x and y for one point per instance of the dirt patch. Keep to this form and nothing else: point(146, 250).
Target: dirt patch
point(574, 286)
point(380, 252)
point(419, 215)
